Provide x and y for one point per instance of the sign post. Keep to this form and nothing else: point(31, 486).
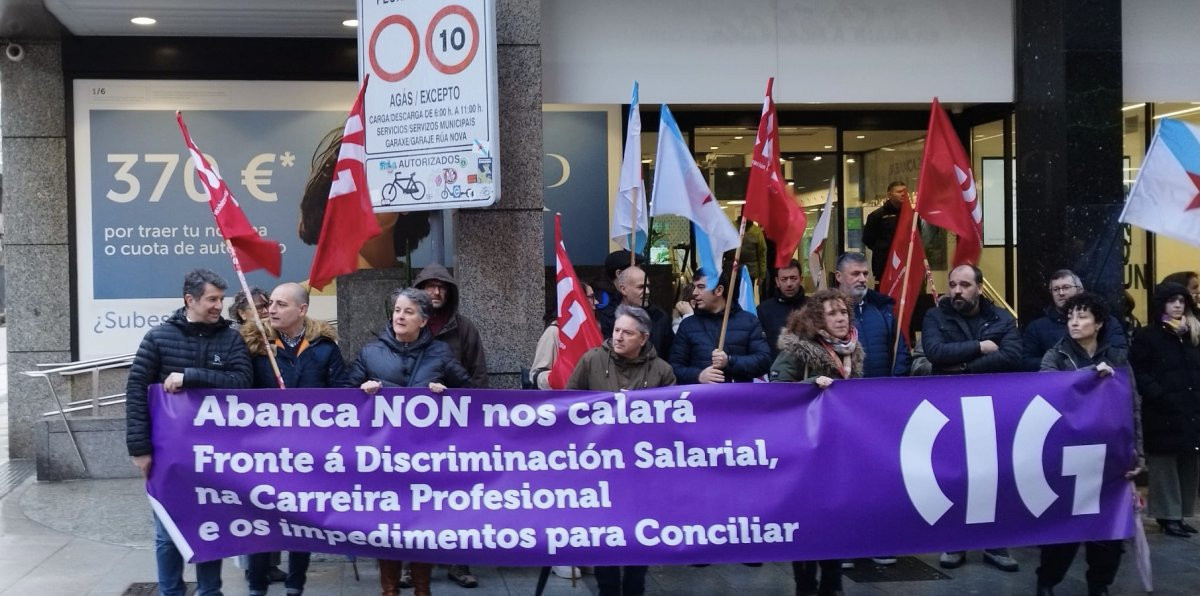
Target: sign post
point(432, 136)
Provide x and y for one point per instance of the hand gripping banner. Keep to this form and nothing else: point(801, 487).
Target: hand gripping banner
point(690, 474)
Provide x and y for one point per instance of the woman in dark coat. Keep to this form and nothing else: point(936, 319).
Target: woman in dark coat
point(818, 345)
point(1085, 347)
point(1166, 363)
point(406, 355)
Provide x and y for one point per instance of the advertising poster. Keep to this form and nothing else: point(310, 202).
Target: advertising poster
point(141, 215)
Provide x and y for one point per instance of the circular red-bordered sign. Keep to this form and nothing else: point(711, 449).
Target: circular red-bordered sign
point(394, 77)
point(437, 18)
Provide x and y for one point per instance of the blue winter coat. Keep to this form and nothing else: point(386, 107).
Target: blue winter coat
point(875, 319)
point(749, 355)
point(1046, 331)
point(316, 362)
point(773, 313)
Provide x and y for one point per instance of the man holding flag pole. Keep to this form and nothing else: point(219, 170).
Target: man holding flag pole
point(700, 353)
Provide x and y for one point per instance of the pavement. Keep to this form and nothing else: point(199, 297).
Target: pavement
point(95, 537)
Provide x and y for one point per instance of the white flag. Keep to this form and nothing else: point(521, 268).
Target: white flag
point(630, 187)
point(820, 234)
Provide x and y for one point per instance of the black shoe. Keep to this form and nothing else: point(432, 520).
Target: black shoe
point(1187, 527)
point(752, 564)
point(461, 575)
point(1098, 591)
point(1045, 590)
point(1174, 528)
point(276, 575)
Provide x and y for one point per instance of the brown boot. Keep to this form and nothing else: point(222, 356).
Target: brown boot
point(389, 577)
point(420, 578)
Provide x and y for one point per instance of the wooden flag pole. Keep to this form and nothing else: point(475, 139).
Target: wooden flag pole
point(262, 329)
point(904, 290)
point(733, 281)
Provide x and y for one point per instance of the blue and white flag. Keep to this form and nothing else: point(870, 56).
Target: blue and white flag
point(1166, 195)
point(746, 292)
point(680, 189)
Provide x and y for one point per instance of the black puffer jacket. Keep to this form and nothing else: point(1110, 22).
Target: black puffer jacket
point(414, 364)
point(1167, 370)
point(208, 355)
point(749, 355)
point(953, 348)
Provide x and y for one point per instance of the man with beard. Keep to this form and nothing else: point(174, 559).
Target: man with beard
point(1046, 331)
point(967, 334)
point(773, 312)
point(633, 288)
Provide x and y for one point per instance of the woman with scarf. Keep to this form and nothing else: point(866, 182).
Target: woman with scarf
point(1085, 347)
point(1166, 363)
point(406, 355)
point(819, 345)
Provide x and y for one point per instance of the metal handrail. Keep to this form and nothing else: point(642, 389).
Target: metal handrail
point(68, 369)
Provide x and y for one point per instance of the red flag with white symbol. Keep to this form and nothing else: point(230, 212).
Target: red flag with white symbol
point(578, 331)
point(349, 220)
point(251, 251)
point(906, 253)
point(946, 194)
point(768, 201)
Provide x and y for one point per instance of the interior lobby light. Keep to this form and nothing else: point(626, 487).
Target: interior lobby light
point(714, 147)
point(817, 158)
point(1133, 107)
point(1177, 113)
point(350, 22)
point(737, 138)
point(144, 21)
point(861, 137)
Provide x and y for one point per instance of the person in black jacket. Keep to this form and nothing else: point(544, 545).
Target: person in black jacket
point(406, 355)
point(1045, 331)
point(694, 356)
point(1166, 366)
point(307, 354)
point(633, 289)
point(774, 311)
point(967, 334)
point(1087, 345)
point(194, 348)
point(881, 227)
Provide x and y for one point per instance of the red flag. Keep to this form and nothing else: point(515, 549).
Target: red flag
point(768, 201)
point(349, 220)
point(249, 248)
point(577, 328)
point(906, 252)
point(946, 189)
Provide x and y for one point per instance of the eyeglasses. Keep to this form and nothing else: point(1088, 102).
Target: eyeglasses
point(1062, 289)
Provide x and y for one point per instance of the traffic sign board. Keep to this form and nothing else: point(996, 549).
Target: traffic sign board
point(432, 137)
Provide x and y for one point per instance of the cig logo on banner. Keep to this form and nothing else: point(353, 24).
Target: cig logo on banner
point(1083, 462)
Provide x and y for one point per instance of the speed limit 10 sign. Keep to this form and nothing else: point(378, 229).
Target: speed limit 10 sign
point(432, 131)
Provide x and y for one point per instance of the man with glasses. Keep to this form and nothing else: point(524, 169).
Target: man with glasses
point(1043, 332)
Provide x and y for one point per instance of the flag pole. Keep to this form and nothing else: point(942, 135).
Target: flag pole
point(733, 281)
point(262, 329)
point(904, 289)
point(633, 229)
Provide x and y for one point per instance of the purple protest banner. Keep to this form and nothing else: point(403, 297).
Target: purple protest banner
point(700, 473)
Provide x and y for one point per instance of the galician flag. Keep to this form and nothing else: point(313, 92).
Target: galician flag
point(746, 292)
point(680, 189)
point(1166, 195)
point(631, 196)
point(816, 246)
